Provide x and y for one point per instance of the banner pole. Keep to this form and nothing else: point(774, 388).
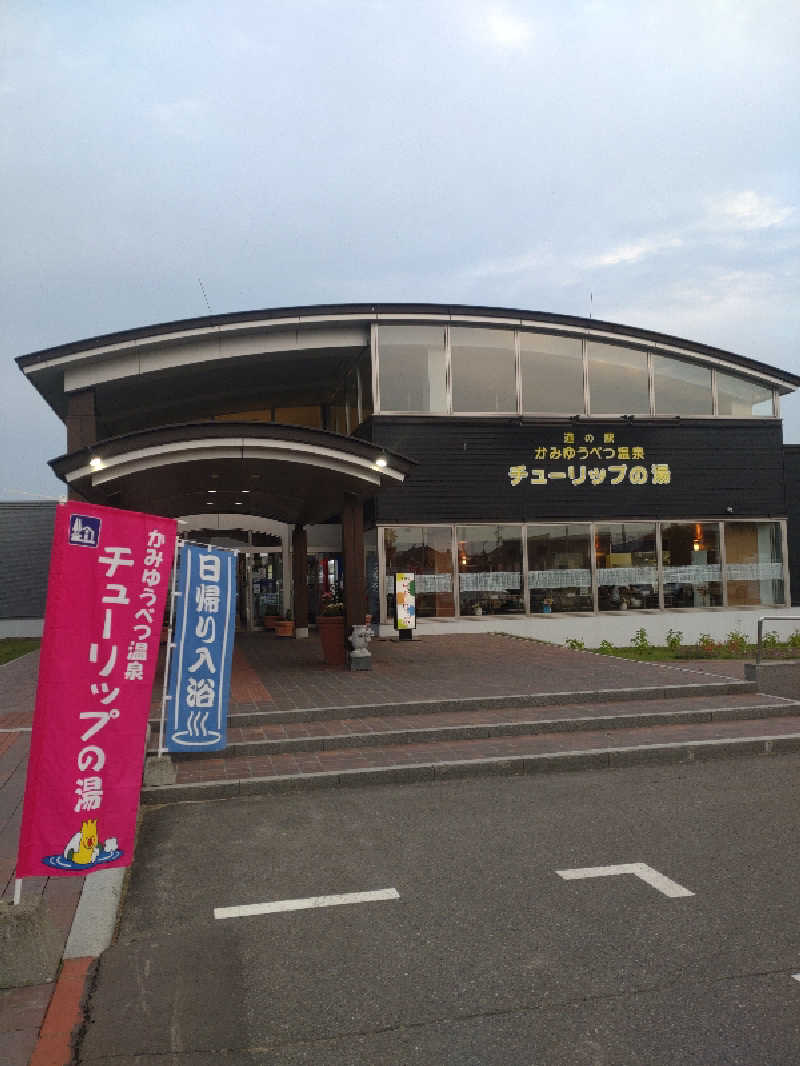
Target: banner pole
point(17, 891)
point(168, 657)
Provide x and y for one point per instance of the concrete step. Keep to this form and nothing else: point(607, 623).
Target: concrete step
point(595, 744)
point(263, 715)
point(275, 739)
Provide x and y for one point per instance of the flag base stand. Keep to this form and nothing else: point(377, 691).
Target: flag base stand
point(30, 945)
point(159, 770)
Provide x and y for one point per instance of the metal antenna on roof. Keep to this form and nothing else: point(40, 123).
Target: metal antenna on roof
point(203, 290)
point(590, 303)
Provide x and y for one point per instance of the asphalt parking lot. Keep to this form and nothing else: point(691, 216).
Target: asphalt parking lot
point(483, 954)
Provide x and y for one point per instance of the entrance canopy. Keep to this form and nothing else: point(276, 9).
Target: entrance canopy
point(288, 473)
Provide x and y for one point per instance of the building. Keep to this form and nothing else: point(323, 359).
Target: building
point(26, 531)
point(540, 474)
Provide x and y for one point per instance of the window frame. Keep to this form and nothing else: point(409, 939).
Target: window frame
point(591, 527)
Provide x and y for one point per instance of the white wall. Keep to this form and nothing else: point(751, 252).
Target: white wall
point(616, 627)
point(21, 627)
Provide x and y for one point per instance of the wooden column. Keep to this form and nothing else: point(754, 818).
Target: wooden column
point(355, 596)
point(81, 425)
point(81, 421)
point(299, 571)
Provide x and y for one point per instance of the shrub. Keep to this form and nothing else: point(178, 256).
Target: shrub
point(674, 639)
point(574, 644)
point(639, 640)
point(736, 642)
point(331, 605)
point(794, 639)
point(705, 642)
point(606, 647)
point(770, 639)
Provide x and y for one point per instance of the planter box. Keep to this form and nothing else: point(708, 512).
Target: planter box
point(331, 635)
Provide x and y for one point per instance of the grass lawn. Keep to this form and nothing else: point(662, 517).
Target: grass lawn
point(13, 647)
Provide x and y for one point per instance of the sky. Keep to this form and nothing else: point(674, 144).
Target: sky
point(637, 161)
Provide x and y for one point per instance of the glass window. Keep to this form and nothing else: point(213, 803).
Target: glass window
point(427, 552)
point(365, 385)
point(337, 415)
point(559, 569)
point(412, 368)
point(262, 414)
point(681, 388)
point(552, 373)
point(627, 566)
point(483, 369)
point(692, 571)
point(371, 574)
point(351, 399)
point(618, 380)
point(744, 399)
point(490, 569)
point(754, 563)
point(267, 578)
point(300, 416)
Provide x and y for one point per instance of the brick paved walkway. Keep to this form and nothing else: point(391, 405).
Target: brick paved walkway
point(294, 675)
point(22, 1009)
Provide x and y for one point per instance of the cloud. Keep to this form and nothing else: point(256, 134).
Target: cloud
point(526, 262)
point(632, 253)
point(747, 210)
point(506, 29)
point(726, 307)
point(722, 222)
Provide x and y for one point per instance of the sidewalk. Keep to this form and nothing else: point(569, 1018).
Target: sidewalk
point(22, 1010)
point(287, 679)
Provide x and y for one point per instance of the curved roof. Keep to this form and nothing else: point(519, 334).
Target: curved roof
point(331, 314)
point(288, 473)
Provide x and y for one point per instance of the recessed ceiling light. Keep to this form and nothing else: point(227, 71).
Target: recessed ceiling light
point(210, 503)
point(96, 463)
point(238, 503)
point(212, 490)
point(245, 490)
point(381, 462)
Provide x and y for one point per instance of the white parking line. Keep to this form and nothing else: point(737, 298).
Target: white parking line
point(640, 869)
point(280, 905)
point(796, 976)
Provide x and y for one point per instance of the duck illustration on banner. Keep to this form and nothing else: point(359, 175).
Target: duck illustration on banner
point(84, 850)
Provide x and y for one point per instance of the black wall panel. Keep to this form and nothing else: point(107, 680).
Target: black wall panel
point(716, 468)
point(792, 472)
point(26, 535)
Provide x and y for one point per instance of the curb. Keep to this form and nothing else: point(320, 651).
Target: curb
point(96, 914)
point(64, 1014)
point(91, 933)
point(589, 759)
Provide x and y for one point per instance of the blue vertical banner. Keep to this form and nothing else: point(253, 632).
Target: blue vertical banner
point(200, 669)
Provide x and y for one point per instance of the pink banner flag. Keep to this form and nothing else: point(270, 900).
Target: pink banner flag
point(109, 573)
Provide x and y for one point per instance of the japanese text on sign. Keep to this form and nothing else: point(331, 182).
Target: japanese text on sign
point(106, 594)
point(200, 668)
point(594, 461)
